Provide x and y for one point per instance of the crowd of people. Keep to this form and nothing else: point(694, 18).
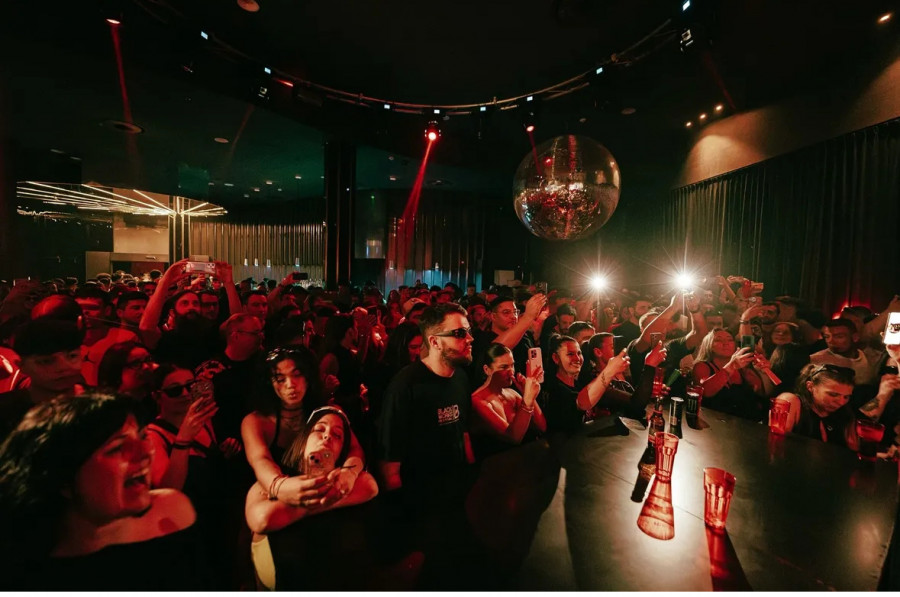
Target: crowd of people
point(179, 430)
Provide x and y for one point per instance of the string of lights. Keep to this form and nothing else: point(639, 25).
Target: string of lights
point(557, 90)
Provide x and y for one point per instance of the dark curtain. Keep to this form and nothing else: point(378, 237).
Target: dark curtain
point(821, 223)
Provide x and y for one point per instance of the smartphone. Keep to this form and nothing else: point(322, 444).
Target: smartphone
point(892, 329)
point(207, 267)
point(535, 361)
point(748, 341)
point(202, 388)
point(655, 338)
point(319, 463)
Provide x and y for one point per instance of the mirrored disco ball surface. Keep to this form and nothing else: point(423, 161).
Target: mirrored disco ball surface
point(568, 190)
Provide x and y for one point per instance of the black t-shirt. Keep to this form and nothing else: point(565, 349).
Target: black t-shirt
point(173, 562)
point(628, 331)
point(187, 350)
point(13, 406)
point(424, 421)
point(560, 406)
point(234, 382)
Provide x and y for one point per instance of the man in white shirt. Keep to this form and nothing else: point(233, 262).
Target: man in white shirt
point(842, 338)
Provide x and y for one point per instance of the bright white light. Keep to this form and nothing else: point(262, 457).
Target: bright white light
point(437, 111)
point(686, 5)
point(387, 106)
point(267, 70)
point(529, 98)
point(482, 109)
point(204, 35)
point(684, 280)
point(598, 282)
point(599, 70)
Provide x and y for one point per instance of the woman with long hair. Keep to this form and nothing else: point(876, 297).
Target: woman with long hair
point(730, 382)
point(292, 390)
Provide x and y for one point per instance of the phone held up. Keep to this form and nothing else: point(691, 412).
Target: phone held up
point(892, 329)
point(748, 341)
point(534, 362)
point(200, 267)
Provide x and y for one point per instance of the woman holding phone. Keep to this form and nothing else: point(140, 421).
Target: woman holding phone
point(730, 383)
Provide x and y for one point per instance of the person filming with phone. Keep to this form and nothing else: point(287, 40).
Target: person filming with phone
point(730, 381)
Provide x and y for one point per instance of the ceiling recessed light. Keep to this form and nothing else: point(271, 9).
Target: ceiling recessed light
point(123, 127)
point(268, 182)
point(59, 151)
point(279, 190)
point(688, 124)
point(719, 107)
point(297, 176)
point(248, 5)
point(391, 158)
point(255, 189)
point(222, 140)
point(212, 184)
point(229, 184)
point(392, 177)
point(582, 120)
point(703, 116)
point(885, 17)
point(247, 195)
point(628, 111)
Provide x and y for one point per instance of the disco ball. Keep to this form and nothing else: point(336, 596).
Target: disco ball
point(566, 189)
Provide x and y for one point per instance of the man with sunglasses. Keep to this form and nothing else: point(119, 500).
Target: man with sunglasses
point(425, 454)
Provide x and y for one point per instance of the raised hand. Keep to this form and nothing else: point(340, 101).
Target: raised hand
point(656, 356)
point(197, 416)
point(740, 359)
point(618, 364)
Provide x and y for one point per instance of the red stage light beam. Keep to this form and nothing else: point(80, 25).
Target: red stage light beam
point(408, 225)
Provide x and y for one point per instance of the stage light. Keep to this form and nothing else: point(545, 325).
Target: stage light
point(686, 5)
point(719, 107)
point(437, 111)
point(885, 18)
point(598, 282)
point(687, 39)
point(387, 106)
point(113, 21)
point(432, 132)
point(703, 116)
point(529, 98)
point(684, 280)
point(267, 70)
point(204, 35)
point(482, 109)
point(529, 128)
point(599, 70)
point(688, 124)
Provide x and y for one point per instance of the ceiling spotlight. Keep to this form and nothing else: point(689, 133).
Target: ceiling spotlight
point(222, 140)
point(719, 107)
point(297, 176)
point(482, 108)
point(432, 132)
point(529, 98)
point(248, 5)
point(688, 124)
point(229, 184)
point(703, 116)
point(392, 178)
point(268, 182)
point(598, 282)
point(387, 106)
point(114, 21)
point(687, 39)
point(885, 18)
point(599, 70)
point(686, 5)
point(267, 70)
point(204, 35)
point(437, 111)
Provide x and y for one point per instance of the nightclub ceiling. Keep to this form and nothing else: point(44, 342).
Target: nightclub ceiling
point(176, 98)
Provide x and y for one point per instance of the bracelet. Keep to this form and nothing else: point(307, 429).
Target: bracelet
point(526, 409)
point(272, 495)
point(280, 483)
point(181, 445)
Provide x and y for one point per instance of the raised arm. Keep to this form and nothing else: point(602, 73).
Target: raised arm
point(511, 337)
point(660, 324)
point(225, 274)
point(590, 395)
point(149, 326)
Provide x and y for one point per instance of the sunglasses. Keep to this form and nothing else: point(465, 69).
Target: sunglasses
point(844, 371)
point(458, 333)
point(176, 391)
